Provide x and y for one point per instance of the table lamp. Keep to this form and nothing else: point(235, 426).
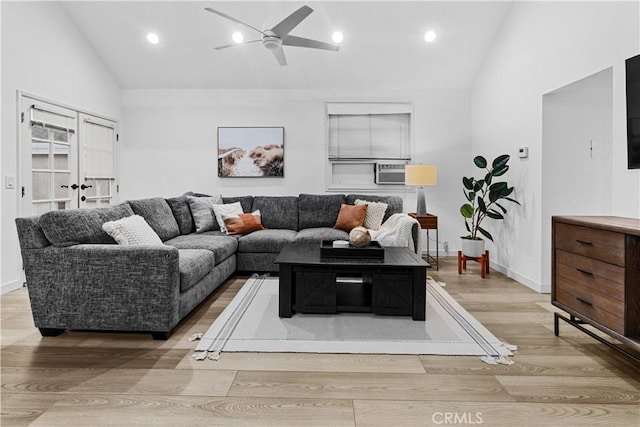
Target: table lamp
point(421, 175)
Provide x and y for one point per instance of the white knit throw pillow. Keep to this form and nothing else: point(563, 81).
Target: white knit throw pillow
point(132, 230)
point(375, 213)
point(228, 209)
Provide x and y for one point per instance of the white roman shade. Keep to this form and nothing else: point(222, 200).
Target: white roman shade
point(369, 131)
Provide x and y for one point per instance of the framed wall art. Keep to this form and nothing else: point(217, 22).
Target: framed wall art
point(250, 152)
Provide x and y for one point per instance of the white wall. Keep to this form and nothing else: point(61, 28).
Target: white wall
point(170, 143)
point(541, 47)
point(577, 164)
point(43, 53)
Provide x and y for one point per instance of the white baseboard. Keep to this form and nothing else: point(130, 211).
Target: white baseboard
point(10, 286)
point(541, 288)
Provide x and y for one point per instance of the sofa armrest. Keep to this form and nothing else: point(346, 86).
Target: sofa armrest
point(104, 287)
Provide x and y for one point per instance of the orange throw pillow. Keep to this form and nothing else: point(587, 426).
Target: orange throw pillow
point(243, 223)
point(350, 217)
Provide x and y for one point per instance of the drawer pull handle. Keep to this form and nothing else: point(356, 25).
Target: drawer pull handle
point(583, 242)
point(588, 273)
point(584, 301)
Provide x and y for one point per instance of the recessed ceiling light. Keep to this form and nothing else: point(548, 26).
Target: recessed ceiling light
point(237, 37)
point(153, 38)
point(337, 37)
point(430, 36)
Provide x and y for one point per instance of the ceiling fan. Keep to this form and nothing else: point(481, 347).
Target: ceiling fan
point(278, 36)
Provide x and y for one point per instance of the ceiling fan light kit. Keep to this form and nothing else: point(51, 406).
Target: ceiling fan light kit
point(278, 36)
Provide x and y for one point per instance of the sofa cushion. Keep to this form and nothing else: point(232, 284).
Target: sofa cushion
point(319, 210)
point(157, 213)
point(269, 240)
point(394, 202)
point(317, 235)
point(245, 201)
point(78, 226)
point(131, 230)
point(375, 213)
point(218, 243)
point(350, 217)
point(202, 211)
point(194, 264)
point(277, 212)
point(242, 223)
point(182, 213)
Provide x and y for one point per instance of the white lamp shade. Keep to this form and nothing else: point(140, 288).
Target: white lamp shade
point(420, 175)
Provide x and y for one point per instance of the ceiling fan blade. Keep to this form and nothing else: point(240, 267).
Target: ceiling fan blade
point(279, 54)
point(302, 42)
point(236, 44)
point(231, 18)
point(290, 22)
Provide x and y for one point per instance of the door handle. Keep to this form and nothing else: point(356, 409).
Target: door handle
point(74, 186)
point(84, 187)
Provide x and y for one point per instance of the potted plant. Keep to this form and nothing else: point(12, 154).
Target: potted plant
point(484, 198)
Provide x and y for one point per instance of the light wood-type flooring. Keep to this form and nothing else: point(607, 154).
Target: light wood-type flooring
point(112, 379)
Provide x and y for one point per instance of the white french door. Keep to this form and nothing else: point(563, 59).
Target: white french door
point(49, 157)
point(97, 163)
point(68, 158)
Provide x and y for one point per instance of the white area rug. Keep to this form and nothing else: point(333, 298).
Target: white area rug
point(251, 324)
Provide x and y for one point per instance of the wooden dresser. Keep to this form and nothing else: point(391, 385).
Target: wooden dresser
point(596, 275)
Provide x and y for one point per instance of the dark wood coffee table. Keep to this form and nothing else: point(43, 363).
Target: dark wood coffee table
point(309, 283)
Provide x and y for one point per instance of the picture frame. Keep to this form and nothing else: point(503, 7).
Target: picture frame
point(251, 152)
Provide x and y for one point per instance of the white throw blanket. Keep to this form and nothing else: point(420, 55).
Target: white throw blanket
point(396, 231)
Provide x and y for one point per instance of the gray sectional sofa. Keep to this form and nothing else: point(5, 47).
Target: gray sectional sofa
point(79, 278)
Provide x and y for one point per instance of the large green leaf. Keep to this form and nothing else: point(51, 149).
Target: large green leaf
point(487, 178)
point(494, 214)
point(512, 200)
point(485, 233)
point(480, 162)
point(497, 191)
point(481, 205)
point(500, 161)
point(500, 172)
point(498, 186)
point(466, 210)
point(467, 182)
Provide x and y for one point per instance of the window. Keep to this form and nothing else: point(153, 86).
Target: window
point(363, 134)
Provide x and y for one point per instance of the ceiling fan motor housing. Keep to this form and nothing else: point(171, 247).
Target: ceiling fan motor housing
point(271, 41)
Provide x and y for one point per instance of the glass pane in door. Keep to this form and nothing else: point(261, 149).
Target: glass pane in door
point(61, 185)
point(40, 155)
point(92, 188)
point(41, 184)
point(61, 156)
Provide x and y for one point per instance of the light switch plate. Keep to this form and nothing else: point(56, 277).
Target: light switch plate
point(9, 182)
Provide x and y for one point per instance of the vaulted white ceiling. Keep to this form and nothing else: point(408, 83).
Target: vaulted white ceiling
point(383, 48)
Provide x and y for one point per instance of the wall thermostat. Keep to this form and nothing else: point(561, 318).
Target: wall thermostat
point(523, 152)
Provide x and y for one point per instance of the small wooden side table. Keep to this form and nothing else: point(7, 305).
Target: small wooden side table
point(429, 222)
point(483, 260)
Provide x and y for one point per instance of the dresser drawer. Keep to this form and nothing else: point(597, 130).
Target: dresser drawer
point(603, 245)
point(592, 274)
point(594, 305)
